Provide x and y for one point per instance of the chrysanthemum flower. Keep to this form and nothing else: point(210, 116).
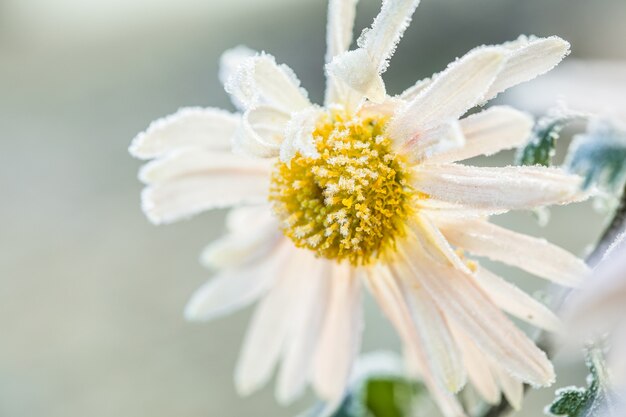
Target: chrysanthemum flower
point(367, 191)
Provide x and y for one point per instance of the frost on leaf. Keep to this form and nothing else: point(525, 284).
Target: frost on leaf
point(599, 155)
point(540, 147)
point(594, 401)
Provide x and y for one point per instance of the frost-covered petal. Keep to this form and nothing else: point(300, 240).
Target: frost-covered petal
point(244, 245)
point(361, 68)
point(463, 303)
point(512, 388)
point(529, 57)
point(388, 295)
point(189, 162)
point(434, 333)
point(268, 330)
point(191, 127)
point(181, 197)
point(340, 337)
point(478, 369)
point(488, 132)
point(260, 80)
point(516, 302)
point(231, 59)
point(413, 91)
point(426, 146)
point(299, 134)
point(306, 324)
point(531, 254)
point(235, 288)
point(453, 92)
point(338, 39)
point(513, 188)
point(260, 132)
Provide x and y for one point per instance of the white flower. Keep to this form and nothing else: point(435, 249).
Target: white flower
point(367, 191)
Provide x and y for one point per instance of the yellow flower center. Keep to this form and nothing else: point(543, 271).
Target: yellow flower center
point(351, 202)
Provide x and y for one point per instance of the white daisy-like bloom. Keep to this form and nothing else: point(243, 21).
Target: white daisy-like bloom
point(367, 192)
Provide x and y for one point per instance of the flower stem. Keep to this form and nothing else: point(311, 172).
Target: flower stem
point(543, 338)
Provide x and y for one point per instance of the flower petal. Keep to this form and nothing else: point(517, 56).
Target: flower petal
point(183, 196)
point(512, 388)
point(191, 127)
point(531, 254)
point(230, 60)
point(306, 324)
point(442, 139)
point(361, 68)
point(340, 337)
point(268, 330)
point(512, 188)
point(260, 80)
point(243, 246)
point(488, 132)
point(388, 295)
point(457, 89)
point(463, 303)
point(516, 302)
point(338, 39)
point(260, 132)
point(235, 288)
point(529, 58)
point(434, 333)
point(478, 369)
point(299, 134)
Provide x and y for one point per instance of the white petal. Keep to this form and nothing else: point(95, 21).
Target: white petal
point(516, 302)
point(192, 127)
point(306, 324)
point(236, 288)
point(512, 188)
point(189, 162)
point(478, 369)
point(182, 197)
point(244, 245)
point(488, 132)
point(269, 328)
point(463, 303)
point(299, 134)
point(389, 297)
point(434, 334)
point(361, 68)
point(231, 59)
point(457, 89)
point(358, 72)
point(260, 132)
point(338, 39)
point(531, 254)
point(512, 388)
point(340, 337)
point(260, 80)
point(426, 146)
point(529, 58)
point(412, 92)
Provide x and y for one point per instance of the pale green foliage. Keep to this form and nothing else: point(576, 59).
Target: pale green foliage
point(599, 155)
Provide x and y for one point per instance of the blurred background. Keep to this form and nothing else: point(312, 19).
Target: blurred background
point(91, 294)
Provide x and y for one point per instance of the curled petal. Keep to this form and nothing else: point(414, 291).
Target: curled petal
point(260, 132)
point(260, 80)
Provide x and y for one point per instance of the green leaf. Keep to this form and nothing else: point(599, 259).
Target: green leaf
point(541, 146)
point(379, 389)
point(599, 155)
point(593, 401)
